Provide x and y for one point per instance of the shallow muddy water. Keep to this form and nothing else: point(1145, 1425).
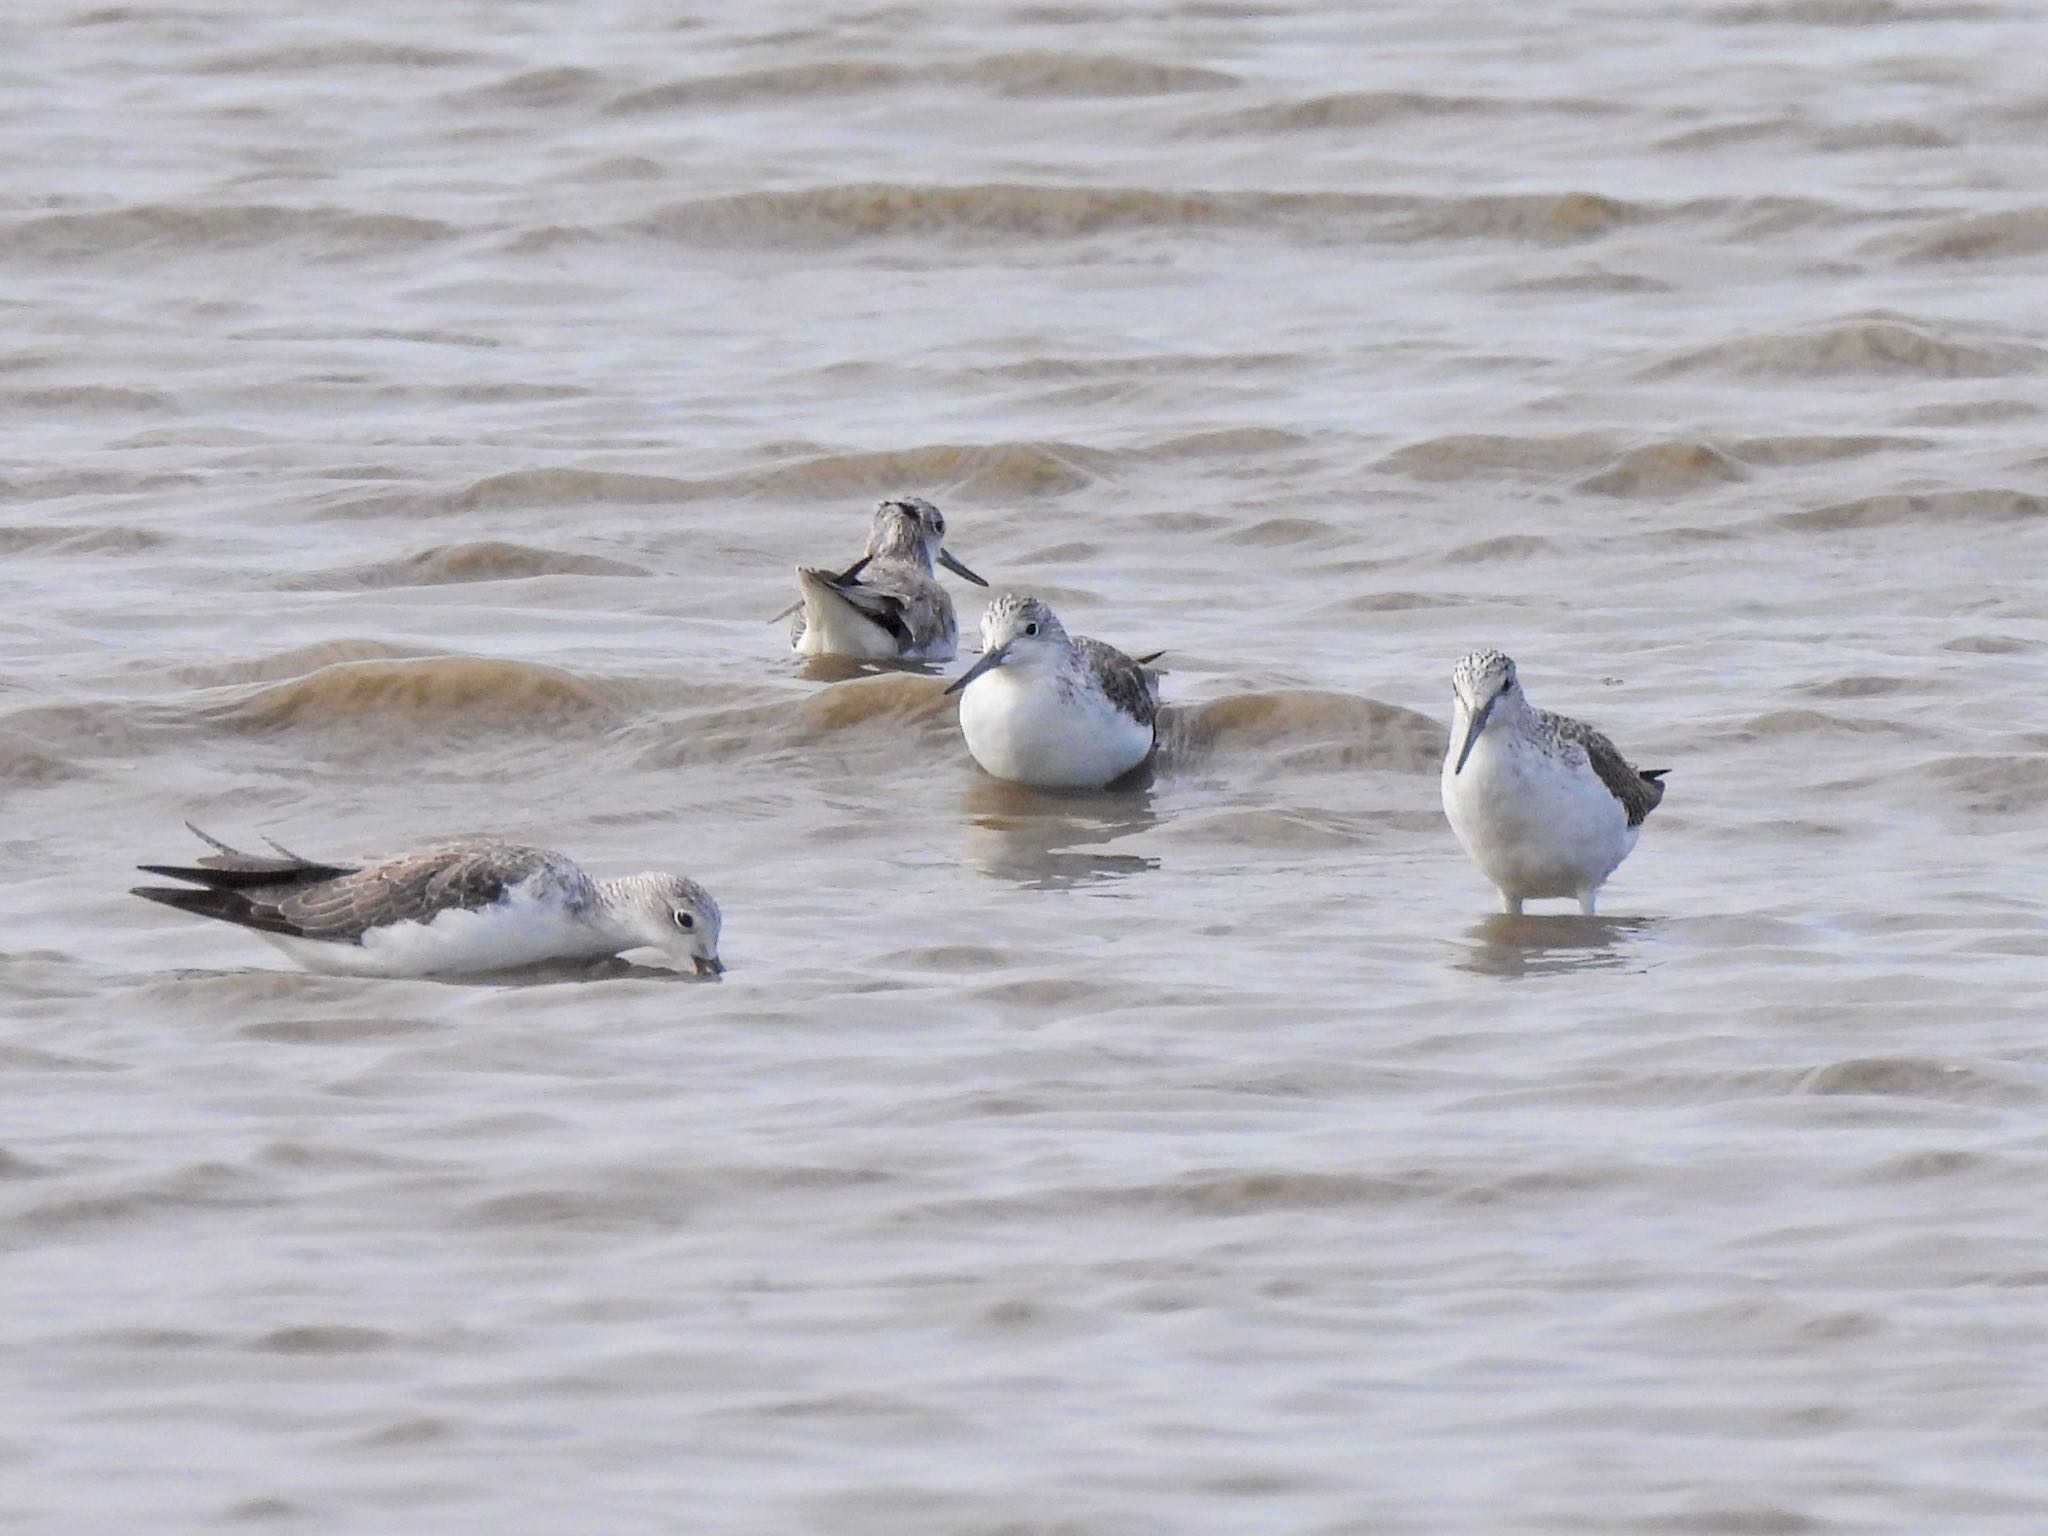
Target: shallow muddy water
point(412, 415)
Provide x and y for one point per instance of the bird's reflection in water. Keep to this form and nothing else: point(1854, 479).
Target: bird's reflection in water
point(1552, 945)
point(846, 669)
point(551, 972)
point(1049, 841)
point(545, 973)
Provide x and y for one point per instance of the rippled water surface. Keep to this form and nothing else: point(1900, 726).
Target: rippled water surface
point(411, 415)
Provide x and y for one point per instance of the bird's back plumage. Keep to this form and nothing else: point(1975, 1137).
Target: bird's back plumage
point(1640, 792)
point(339, 903)
point(1125, 682)
point(880, 609)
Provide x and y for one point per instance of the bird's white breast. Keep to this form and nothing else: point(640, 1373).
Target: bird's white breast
point(1026, 725)
point(1536, 822)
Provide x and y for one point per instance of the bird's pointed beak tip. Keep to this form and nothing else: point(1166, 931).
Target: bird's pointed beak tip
point(953, 563)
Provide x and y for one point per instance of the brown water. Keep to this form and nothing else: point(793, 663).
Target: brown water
point(412, 414)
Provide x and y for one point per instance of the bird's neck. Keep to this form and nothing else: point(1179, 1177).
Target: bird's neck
point(612, 901)
point(895, 544)
point(1511, 715)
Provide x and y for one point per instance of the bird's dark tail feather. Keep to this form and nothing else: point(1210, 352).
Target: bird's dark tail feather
point(227, 905)
point(230, 869)
point(229, 879)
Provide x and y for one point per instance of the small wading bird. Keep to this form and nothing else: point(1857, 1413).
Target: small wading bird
point(463, 908)
point(1544, 804)
point(888, 605)
point(1042, 709)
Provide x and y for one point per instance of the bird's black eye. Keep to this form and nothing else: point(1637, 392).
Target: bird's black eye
point(686, 920)
point(939, 526)
point(1031, 628)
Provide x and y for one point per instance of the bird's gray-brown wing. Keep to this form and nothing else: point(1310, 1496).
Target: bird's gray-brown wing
point(1638, 791)
point(412, 888)
point(895, 596)
point(339, 903)
point(1128, 684)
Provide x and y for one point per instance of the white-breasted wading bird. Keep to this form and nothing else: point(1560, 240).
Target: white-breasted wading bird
point(462, 908)
point(1040, 708)
point(888, 605)
point(1543, 803)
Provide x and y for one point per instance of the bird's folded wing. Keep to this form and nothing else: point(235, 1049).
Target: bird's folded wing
point(1638, 795)
point(413, 888)
point(892, 599)
point(1129, 686)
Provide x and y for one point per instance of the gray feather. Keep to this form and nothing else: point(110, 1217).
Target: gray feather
point(339, 903)
point(1129, 686)
point(1639, 793)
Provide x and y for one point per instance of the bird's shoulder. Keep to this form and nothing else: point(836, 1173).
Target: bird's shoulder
point(1126, 683)
point(1639, 793)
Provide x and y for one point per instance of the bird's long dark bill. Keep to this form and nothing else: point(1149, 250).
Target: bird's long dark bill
point(1472, 733)
point(990, 660)
point(712, 967)
point(946, 559)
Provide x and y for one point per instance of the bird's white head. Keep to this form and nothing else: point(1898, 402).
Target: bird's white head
point(677, 917)
point(911, 528)
point(1481, 682)
point(1017, 630)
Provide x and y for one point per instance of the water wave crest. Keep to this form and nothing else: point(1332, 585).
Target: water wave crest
point(464, 690)
point(1026, 72)
point(45, 539)
point(482, 560)
point(1312, 729)
point(1874, 345)
point(298, 661)
point(1932, 508)
point(178, 229)
point(991, 471)
point(1665, 469)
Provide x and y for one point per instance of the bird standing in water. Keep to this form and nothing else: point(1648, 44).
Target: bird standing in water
point(1544, 804)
